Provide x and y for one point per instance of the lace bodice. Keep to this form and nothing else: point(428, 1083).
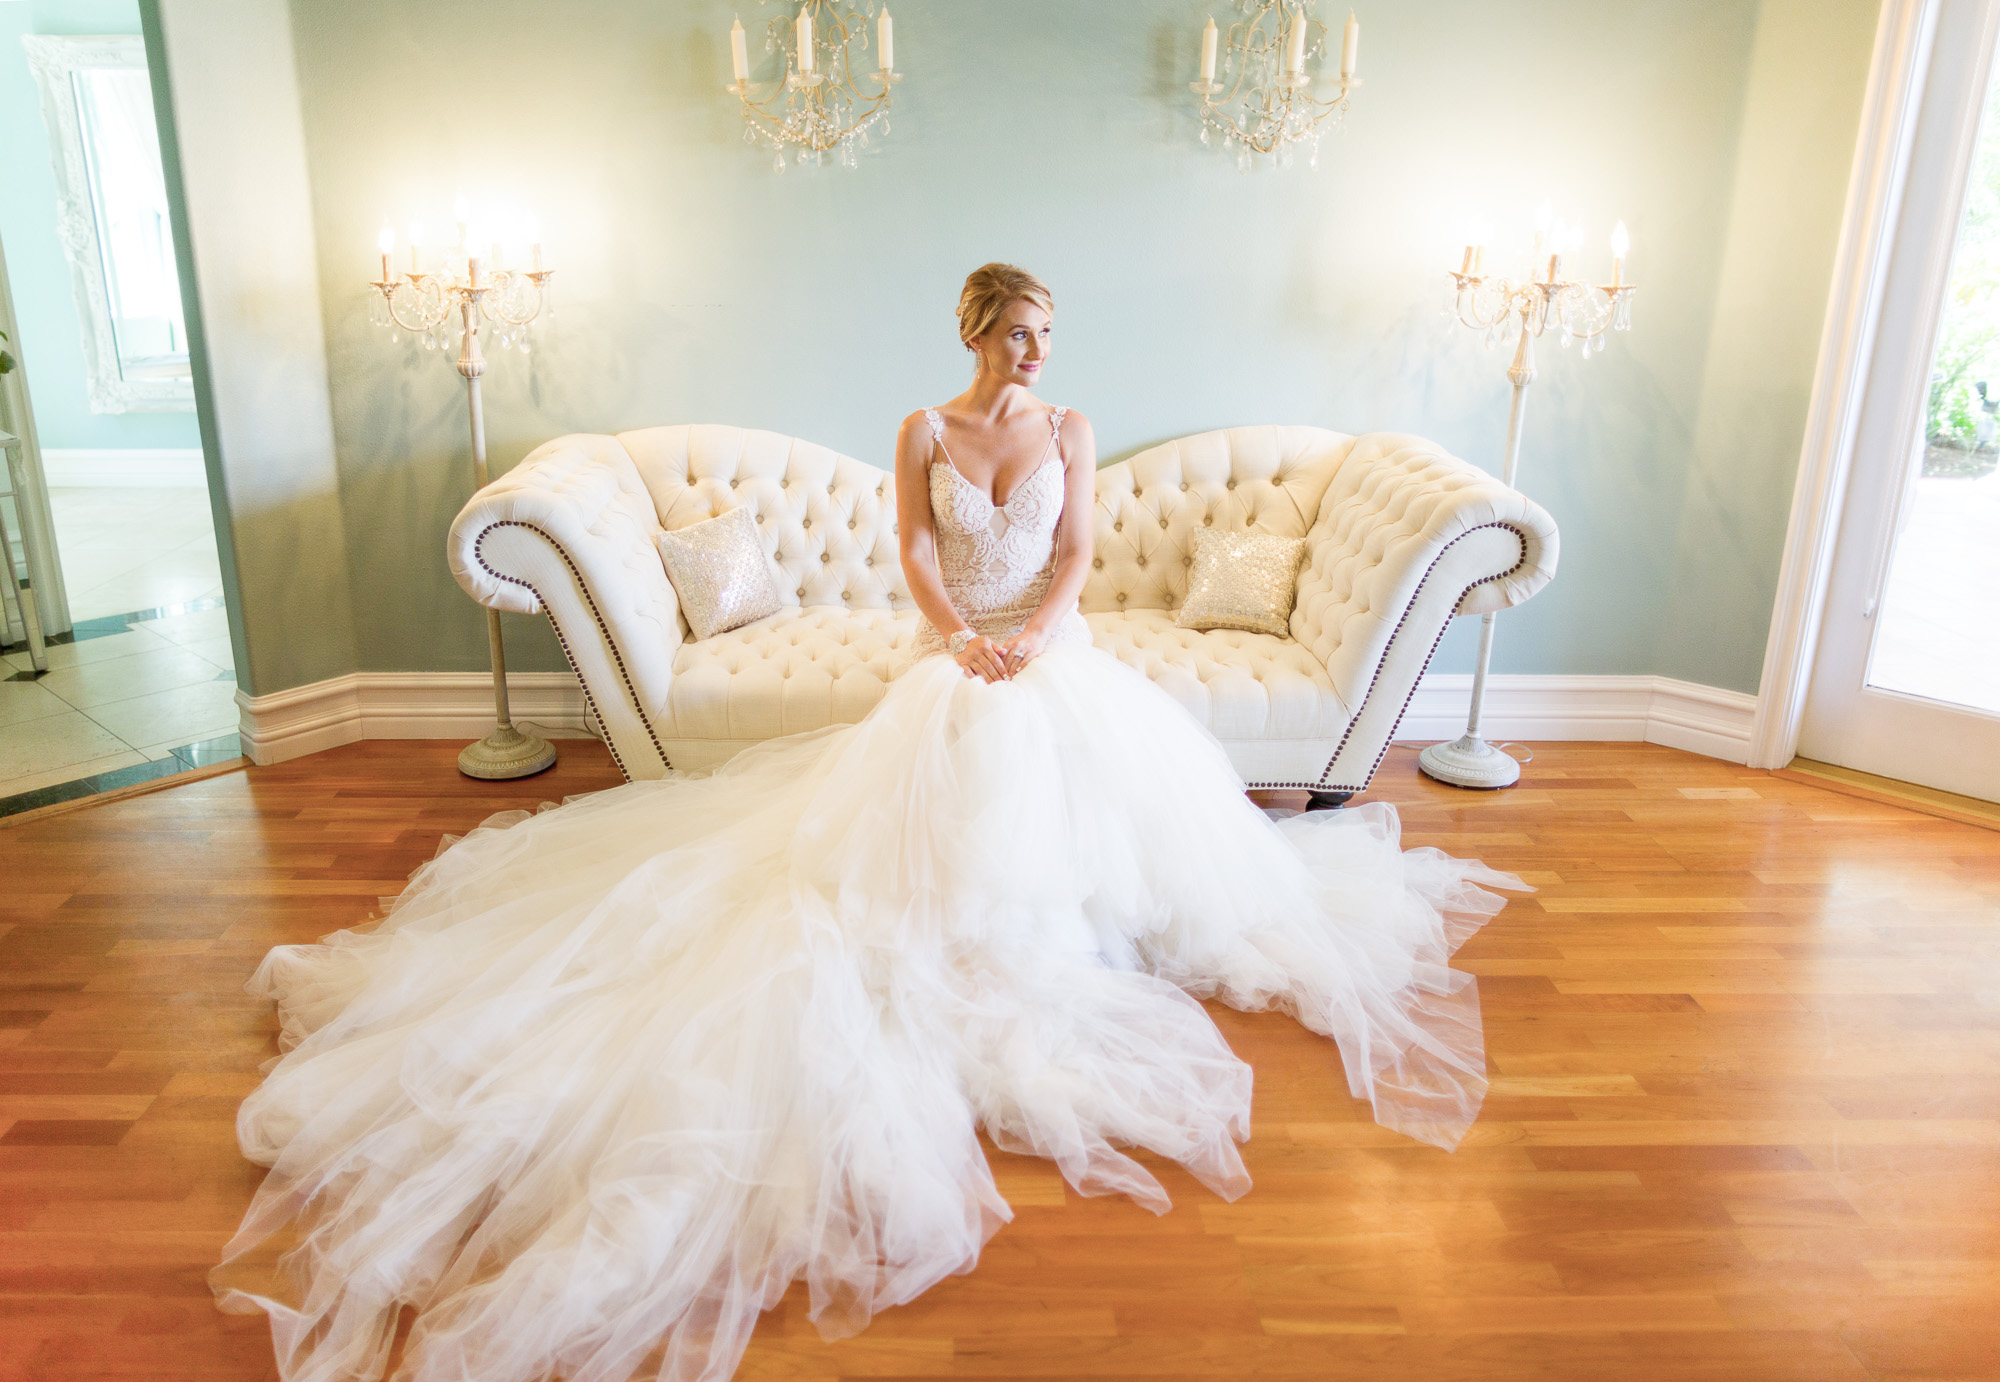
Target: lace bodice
point(996, 560)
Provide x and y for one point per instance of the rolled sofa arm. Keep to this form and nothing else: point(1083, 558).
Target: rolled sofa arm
point(570, 531)
point(1407, 536)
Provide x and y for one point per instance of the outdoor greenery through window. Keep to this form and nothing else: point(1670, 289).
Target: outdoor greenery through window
point(1937, 628)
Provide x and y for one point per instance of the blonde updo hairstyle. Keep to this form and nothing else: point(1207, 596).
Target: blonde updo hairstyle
point(989, 291)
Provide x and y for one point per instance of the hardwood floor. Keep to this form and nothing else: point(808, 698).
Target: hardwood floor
point(1744, 1123)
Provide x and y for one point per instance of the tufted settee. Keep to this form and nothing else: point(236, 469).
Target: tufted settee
point(1400, 537)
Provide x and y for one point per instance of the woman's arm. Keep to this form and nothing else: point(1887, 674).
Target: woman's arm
point(1073, 544)
point(918, 547)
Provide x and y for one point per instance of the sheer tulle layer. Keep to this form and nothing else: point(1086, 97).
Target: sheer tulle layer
point(608, 1078)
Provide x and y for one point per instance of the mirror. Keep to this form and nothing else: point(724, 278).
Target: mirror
point(111, 210)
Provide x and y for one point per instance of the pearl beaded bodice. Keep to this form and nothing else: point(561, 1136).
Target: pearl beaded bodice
point(996, 560)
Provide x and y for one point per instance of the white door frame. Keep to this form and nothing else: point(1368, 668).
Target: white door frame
point(1903, 38)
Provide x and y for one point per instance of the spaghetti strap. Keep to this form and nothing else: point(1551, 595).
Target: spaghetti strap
point(1055, 434)
point(936, 420)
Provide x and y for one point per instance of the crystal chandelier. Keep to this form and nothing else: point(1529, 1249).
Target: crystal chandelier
point(1266, 102)
point(826, 103)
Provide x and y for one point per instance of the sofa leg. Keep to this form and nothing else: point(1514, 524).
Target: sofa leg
point(1328, 801)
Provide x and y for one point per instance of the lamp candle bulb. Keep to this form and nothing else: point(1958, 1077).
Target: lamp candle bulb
point(805, 40)
point(1295, 43)
point(1475, 247)
point(739, 52)
point(1621, 245)
point(1208, 41)
point(416, 246)
point(1350, 45)
point(473, 266)
point(386, 243)
point(885, 41)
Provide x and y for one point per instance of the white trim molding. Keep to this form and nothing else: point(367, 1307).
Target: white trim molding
point(402, 705)
point(1639, 709)
point(124, 468)
point(459, 705)
point(1847, 345)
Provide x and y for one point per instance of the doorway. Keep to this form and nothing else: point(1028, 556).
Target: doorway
point(108, 519)
point(1906, 680)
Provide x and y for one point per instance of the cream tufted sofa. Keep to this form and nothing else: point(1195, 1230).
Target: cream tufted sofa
point(1400, 537)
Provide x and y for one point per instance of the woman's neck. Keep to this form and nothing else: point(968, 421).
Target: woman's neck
point(996, 400)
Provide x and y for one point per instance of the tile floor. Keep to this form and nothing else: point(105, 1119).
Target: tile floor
point(127, 549)
point(146, 686)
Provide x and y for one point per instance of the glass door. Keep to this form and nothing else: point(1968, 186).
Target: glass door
point(1906, 683)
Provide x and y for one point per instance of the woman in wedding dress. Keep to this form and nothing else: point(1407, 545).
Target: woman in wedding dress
point(608, 1078)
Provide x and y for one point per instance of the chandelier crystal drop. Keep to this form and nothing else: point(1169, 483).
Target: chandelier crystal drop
point(829, 98)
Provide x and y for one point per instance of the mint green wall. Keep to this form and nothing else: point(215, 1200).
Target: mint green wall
point(1784, 218)
point(697, 285)
point(45, 305)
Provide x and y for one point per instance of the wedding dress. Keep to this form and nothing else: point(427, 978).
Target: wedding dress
point(608, 1078)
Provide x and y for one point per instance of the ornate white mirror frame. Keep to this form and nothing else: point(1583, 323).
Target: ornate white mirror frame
point(115, 387)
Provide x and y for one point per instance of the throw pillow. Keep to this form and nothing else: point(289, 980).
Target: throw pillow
point(1242, 580)
point(719, 571)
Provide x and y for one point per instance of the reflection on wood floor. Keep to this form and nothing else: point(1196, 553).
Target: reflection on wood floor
point(1744, 1123)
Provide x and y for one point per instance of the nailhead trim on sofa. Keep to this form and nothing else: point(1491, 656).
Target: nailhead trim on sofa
point(1323, 785)
point(602, 628)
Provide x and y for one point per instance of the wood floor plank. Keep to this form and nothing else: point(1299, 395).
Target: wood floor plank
point(1744, 1120)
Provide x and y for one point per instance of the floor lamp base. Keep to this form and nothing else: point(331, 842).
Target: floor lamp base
point(505, 753)
point(1470, 762)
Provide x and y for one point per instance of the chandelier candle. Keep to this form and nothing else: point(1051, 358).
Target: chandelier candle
point(1495, 307)
point(422, 304)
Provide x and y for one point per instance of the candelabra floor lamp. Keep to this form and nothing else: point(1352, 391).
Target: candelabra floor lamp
point(422, 304)
point(1496, 306)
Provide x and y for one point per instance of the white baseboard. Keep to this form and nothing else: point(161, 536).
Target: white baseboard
point(1636, 709)
point(402, 705)
point(459, 705)
point(69, 468)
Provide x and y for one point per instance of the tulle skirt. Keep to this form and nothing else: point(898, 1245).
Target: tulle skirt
point(608, 1078)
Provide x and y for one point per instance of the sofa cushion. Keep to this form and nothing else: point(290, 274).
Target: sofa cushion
point(1241, 685)
point(802, 668)
point(1149, 508)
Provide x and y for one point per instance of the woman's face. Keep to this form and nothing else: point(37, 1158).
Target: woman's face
point(1018, 344)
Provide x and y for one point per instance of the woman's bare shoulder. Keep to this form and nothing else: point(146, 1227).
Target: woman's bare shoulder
point(1077, 437)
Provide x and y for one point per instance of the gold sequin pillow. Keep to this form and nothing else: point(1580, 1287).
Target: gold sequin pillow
point(719, 572)
point(1241, 581)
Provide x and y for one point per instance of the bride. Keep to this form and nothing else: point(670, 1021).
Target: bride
point(608, 1078)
